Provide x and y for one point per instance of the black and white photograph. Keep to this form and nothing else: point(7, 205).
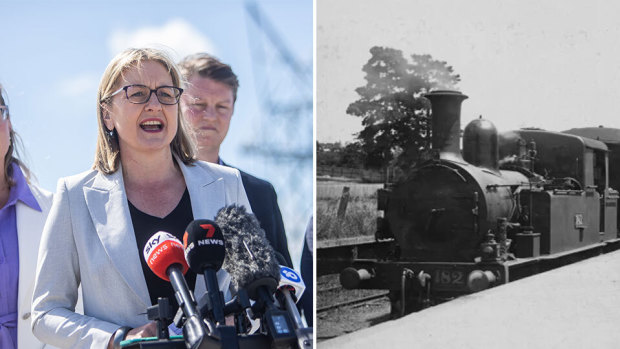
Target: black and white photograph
point(467, 174)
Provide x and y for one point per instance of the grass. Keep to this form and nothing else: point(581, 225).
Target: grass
point(333, 190)
point(360, 216)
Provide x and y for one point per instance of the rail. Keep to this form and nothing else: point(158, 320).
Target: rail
point(355, 301)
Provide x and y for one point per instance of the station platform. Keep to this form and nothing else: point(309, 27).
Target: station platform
point(576, 306)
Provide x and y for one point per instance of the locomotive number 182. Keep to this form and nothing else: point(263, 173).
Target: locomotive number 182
point(445, 277)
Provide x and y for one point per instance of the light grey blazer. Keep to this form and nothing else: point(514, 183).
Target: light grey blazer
point(29, 227)
point(89, 240)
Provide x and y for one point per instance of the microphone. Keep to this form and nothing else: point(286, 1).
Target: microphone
point(204, 252)
point(163, 253)
point(290, 289)
point(251, 262)
point(291, 281)
point(290, 278)
point(250, 259)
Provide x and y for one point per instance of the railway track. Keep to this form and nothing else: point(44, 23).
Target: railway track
point(332, 257)
point(338, 254)
point(331, 295)
point(353, 302)
point(330, 289)
point(340, 311)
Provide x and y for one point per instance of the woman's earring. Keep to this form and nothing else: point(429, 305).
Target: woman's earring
point(111, 133)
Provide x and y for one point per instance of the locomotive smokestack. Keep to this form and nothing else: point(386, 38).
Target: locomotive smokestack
point(446, 123)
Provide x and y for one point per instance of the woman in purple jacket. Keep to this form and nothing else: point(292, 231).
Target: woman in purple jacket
point(23, 209)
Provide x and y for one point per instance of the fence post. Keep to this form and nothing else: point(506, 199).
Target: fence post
point(344, 201)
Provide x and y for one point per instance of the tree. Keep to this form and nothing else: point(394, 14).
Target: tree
point(352, 156)
point(328, 154)
point(334, 154)
point(393, 111)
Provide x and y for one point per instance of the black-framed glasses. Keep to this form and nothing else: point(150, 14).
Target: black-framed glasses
point(140, 94)
point(4, 112)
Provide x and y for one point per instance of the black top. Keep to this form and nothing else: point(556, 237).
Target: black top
point(145, 226)
point(306, 267)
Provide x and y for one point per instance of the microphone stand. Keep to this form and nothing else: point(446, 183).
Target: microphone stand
point(162, 313)
point(304, 334)
point(215, 298)
point(194, 329)
point(215, 308)
point(275, 322)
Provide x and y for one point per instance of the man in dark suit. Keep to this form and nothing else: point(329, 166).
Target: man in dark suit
point(306, 267)
point(208, 103)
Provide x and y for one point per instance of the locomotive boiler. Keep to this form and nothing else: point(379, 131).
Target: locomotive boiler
point(504, 207)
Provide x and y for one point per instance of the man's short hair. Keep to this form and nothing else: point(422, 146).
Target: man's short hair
point(209, 67)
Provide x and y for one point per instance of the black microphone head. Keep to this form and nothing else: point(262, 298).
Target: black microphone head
point(281, 260)
point(204, 245)
point(250, 259)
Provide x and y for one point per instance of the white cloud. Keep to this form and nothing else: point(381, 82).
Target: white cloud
point(178, 37)
point(83, 84)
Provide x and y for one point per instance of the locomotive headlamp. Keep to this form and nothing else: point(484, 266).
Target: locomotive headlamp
point(479, 280)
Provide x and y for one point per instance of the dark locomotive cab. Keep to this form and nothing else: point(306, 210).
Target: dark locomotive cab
point(506, 207)
point(611, 138)
point(576, 186)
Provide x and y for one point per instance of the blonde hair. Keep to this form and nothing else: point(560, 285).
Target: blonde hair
point(107, 154)
point(13, 153)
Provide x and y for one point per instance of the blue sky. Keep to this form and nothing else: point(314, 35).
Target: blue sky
point(54, 53)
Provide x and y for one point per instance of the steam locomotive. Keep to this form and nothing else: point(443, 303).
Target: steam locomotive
point(507, 206)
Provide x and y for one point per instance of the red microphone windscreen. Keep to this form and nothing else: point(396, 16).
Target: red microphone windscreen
point(163, 250)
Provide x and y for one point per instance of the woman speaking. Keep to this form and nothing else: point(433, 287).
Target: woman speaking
point(144, 179)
